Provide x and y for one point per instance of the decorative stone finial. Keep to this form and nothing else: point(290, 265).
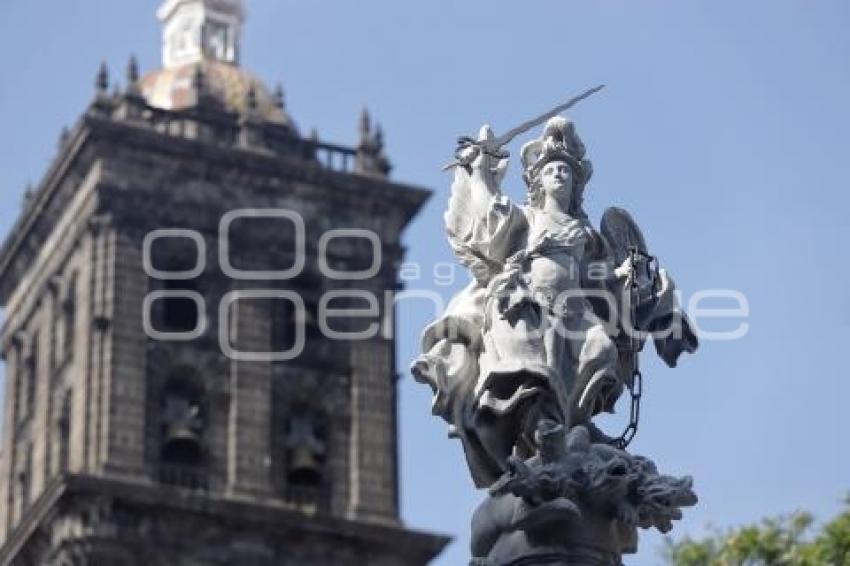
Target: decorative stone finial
point(29, 194)
point(251, 121)
point(133, 77)
point(365, 125)
point(279, 97)
point(102, 80)
point(132, 71)
point(370, 158)
point(199, 85)
point(379, 137)
point(251, 98)
point(314, 141)
point(64, 137)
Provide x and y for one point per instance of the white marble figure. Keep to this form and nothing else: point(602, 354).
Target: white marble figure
point(544, 332)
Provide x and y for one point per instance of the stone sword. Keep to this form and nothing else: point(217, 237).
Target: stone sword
point(494, 147)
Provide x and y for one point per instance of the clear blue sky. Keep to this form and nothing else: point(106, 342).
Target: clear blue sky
point(724, 129)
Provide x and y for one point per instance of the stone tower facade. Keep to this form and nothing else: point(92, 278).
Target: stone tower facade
point(200, 365)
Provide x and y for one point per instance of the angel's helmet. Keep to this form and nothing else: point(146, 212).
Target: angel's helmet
point(559, 142)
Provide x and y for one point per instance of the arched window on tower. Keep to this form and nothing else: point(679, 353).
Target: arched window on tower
point(19, 377)
point(27, 374)
point(218, 41)
point(180, 314)
point(64, 433)
point(177, 313)
point(283, 337)
point(306, 455)
point(69, 318)
point(24, 483)
point(183, 461)
point(32, 375)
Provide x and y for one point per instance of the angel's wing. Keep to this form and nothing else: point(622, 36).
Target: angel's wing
point(472, 234)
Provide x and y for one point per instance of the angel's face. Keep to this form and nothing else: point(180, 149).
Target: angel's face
point(556, 181)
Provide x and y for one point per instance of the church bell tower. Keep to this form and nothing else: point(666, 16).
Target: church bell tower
point(183, 384)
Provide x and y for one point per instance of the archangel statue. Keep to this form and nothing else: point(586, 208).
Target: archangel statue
point(545, 337)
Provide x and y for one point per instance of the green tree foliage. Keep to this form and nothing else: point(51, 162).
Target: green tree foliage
point(784, 541)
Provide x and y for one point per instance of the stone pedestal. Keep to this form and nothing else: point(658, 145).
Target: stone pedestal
point(565, 540)
point(574, 504)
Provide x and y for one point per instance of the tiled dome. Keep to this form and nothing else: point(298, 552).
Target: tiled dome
point(174, 89)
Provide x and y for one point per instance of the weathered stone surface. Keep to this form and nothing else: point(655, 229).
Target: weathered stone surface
point(123, 448)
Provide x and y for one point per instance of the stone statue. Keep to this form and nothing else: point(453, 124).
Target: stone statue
point(545, 337)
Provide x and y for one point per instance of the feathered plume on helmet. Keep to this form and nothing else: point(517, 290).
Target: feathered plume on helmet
point(559, 142)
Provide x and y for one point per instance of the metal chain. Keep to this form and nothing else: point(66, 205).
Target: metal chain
point(635, 385)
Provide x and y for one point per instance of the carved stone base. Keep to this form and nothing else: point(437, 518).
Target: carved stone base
point(574, 504)
point(574, 557)
point(507, 531)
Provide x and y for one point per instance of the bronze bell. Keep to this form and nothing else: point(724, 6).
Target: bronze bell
point(304, 461)
point(182, 444)
point(182, 432)
point(305, 452)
